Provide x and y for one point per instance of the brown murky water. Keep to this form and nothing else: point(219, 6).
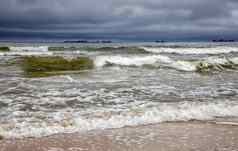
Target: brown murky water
point(190, 136)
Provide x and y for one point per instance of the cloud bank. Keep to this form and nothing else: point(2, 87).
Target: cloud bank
point(122, 18)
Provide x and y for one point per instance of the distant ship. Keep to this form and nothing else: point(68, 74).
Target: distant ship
point(86, 41)
point(160, 41)
point(223, 40)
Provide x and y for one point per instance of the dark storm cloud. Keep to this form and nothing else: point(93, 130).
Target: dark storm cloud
point(120, 17)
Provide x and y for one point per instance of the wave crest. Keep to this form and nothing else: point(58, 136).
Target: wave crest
point(131, 61)
point(204, 65)
point(185, 111)
point(40, 48)
point(190, 51)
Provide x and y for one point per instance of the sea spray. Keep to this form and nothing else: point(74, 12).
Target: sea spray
point(40, 48)
point(185, 111)
point(201, 65)
point(190, 51)
point(131, 61)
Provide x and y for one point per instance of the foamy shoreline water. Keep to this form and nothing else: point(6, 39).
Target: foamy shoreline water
point(104, 120)
point(128, 86)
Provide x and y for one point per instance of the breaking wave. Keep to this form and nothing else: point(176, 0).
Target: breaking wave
point(25, 53)
point(40, 48)
point(185, 111)
point(136, 50)
point(183, 50)
point(127, 87)
point(190, 51)
point(130, 61)
point(208, 64)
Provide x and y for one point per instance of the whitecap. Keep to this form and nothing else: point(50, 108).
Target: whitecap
point(40, 48)
point(25, 53)
point(189, 51)
point(131, 61)
point(163, 112)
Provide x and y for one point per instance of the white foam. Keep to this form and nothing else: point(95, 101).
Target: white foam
point(220, 61)
point(184, 66)
point(40, 48)
point(214, 50)
point(192, 66)
point(69, 78)
point(25, 53)
point(162, 61)
point(234, 60)
point(131, 61)
point(216, 60)
point(134, 117)
point(145, 60)
point(159, 60)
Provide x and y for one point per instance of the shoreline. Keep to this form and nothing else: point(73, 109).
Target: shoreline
point(172, 136)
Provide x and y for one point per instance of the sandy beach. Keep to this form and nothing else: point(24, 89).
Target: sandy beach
point(192, 136)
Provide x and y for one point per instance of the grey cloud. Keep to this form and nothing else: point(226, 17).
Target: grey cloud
point(113, 17)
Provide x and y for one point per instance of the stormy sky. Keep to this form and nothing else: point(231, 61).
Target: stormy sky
point(125, 19)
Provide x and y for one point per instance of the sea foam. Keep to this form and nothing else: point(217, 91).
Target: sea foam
point(184, 111)
point(25, 53)
point(131, 61)
point(189, 51)
point(163, 61)
point(40, 48)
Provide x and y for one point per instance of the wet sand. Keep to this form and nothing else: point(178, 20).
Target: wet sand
point(192, 136)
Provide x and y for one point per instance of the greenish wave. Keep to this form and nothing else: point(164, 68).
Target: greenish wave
point(38, 66)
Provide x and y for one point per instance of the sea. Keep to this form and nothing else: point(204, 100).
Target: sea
point(131, 84)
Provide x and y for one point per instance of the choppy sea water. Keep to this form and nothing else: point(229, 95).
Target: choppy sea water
point(130, 85)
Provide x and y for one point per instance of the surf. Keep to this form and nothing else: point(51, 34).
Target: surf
point(191, 51)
